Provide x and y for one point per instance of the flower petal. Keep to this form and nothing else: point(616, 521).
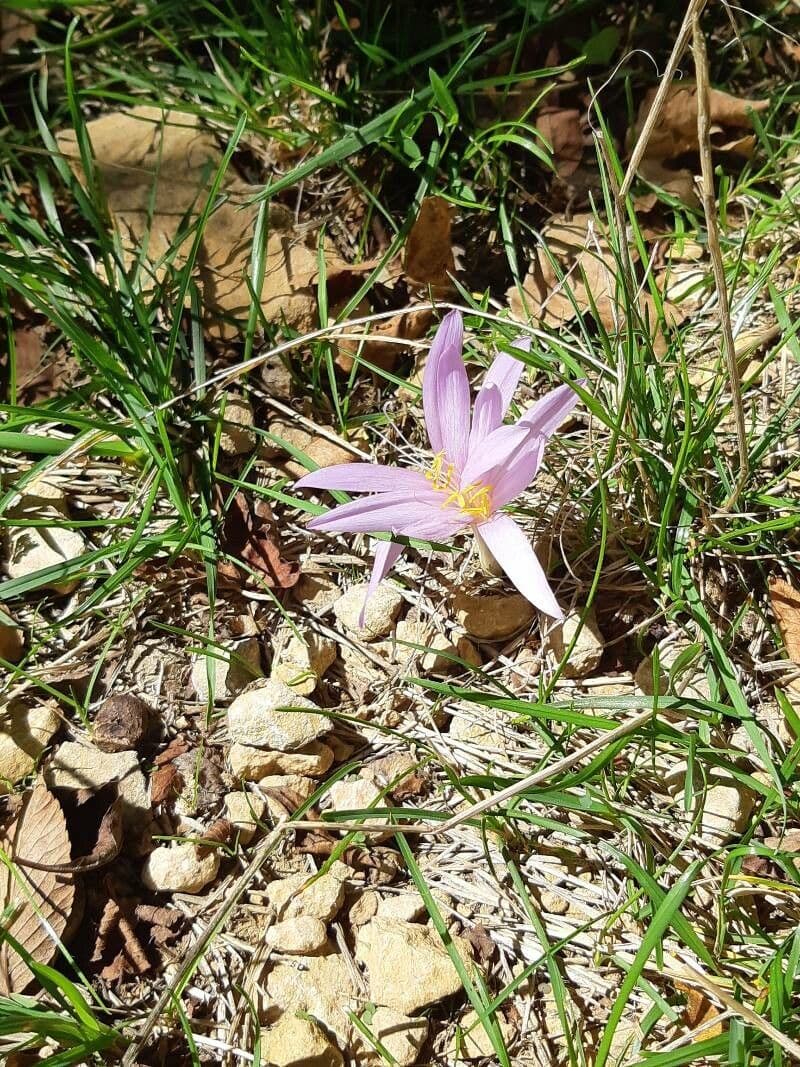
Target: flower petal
point(449, 338)
point(364, 478)
point(487, 414)
point(512, 550)
point(495, 451)
point(381, 513)
point(387, 554)
point(509, 481)
point(549, 412)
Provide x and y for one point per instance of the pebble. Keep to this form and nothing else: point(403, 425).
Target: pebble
point(391, 769)
point(323, 986)
point(78, 766)
point(492, 617)
point(286, 792)
point(235, 665)
point(430, 662)
point(320, 899)
point(25, 733)
point(301, 662)
point(237, 436)
point(12, 643)
point(33, 548)
point(317, 592)
point(392, 951)
point(249, 764)
point(474, 1042)
point(401, 1036)
point(479, 733)
point(364, 908)
point(727, 808)
point(245, 811)
point(296, 1042)
point(121, 723)
point(176, 868)
point(408, 907)
point(584, 659)
point(382, 610)
point(354, 795)
point(255, 717)
point(303, 935)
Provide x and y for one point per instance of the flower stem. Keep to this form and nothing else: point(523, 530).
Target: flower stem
point(489, 564)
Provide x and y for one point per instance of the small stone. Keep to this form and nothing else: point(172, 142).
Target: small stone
point(302, 935)
point(690, 681)
point(323, 451)
point(33, 548)
point(121, 723)
point(430, 662)
point(234, 666)
point(322, 986)
point(317, 592)
point(24, 734)
point(395, 952)
point(726, 809)
point(383, 608)
point(356, 795)
point(585, 657)
point(12, 643)
point(408, 907)
point(494, 616)
point(257, 717)
point(482, 734)
point(305, 894)
point(237, 436)
point(296, 1042)
point(250, 764)
point(401, 1036)
point(77, 766)
point(468, 652)
point(245, 811)
point(301, 662)
point(474, 1042)
point(176, 868)
point(391, 769)
point(364, 908)
point(286, 792)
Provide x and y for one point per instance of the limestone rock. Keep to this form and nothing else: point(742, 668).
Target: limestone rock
point(408, 907)
point(78, 766)
point(382, 609)
point(176, 868)
point(33, 548)
point(245, 811)
point(250, 764)
point(317, 591)
point(401, 1036)
point(234, 666)
point(483, 733)
point(430, 662)
point(258, 717)
point(364, 908)
point(322, 986)
point(237, 436)
point(689, 680)
point(296, 1042)
point(24, 734)
point(393, 951)
point(302, 935)
point(301, 662)
point(354, 796)
point(475, 1042)
point(727, 807)
point(321, 449)
point(494, 616)
point(121, 723)
point(584, 659)
point(285, 792)
point(391, 769)
point(320, 899)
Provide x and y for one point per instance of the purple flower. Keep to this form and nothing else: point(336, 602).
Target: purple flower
point(479, 466)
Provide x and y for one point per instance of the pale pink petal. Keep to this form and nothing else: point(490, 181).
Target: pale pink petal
point(509, 481)
point(381, 513)
point(512, 550)
point(549, 412)
point(387, 554)
point(441, 527)
point(487, 414)
point(364, 478)
point(448, 340)
point(506, 371)
point(494, 451)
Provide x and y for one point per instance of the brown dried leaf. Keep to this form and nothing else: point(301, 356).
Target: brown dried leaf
point(15, 27)
point(165, 783)
point(156, 169)
point(785, 600)
point(250, 535)
point(699, 1011)
point(121, 723)
point(561, 128)
point(429, 250)
point(109, 840)
point(38, 835)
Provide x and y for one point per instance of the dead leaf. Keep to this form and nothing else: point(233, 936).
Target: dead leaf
point(785, 600)
point(561, 128)
point(156, 169)
point(14, 28)
point(428, 256)
point(38, 835)
point(675, 135)
point(699, 1011)
point(589, 271)
point(376, 346)
point(250, 535)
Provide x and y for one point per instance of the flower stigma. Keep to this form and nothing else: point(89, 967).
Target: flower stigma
point(473, 500)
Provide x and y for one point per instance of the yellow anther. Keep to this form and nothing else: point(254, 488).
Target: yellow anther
point(474, 500)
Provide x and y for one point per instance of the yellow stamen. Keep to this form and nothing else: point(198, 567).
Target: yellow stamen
point(474, 500)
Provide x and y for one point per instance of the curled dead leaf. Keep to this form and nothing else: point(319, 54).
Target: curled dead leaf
point(41, 900)
point(785, 601)
point(700, 1011)
point(428, 256)
point(251, 536)
point(561, 128)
